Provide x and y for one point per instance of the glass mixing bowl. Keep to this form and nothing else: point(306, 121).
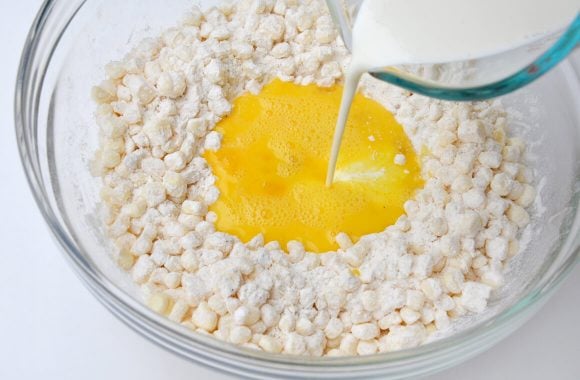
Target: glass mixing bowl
point(68, 45)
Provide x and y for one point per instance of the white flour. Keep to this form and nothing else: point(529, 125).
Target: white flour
point(388, 291)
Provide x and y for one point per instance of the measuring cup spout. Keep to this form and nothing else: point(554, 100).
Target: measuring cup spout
point(481, 78)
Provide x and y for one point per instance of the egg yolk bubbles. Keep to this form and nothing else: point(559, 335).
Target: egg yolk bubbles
point(271, 167)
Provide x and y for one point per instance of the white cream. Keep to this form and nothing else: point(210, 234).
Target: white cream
point(396, 32)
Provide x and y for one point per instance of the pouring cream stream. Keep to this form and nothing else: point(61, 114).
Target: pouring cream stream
point(396, 32)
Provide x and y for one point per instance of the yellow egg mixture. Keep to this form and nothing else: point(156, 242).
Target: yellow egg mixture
point(272, 165)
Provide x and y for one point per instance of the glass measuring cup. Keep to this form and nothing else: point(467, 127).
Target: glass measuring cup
point(474, 79)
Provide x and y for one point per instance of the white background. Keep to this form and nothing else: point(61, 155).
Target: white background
point(52, 328)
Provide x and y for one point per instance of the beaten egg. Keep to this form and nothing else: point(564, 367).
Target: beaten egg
point(271, 167)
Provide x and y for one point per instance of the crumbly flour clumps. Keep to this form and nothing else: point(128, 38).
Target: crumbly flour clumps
point(390, 290)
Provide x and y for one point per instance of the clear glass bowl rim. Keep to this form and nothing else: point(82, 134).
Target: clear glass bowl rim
point(34, 63)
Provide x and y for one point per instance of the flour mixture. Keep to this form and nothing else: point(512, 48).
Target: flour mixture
point(170, 115)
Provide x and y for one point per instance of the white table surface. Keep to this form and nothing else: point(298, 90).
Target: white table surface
point(52, 328)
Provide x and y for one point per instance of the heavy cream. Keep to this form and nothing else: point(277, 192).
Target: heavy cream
point(396, 32)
